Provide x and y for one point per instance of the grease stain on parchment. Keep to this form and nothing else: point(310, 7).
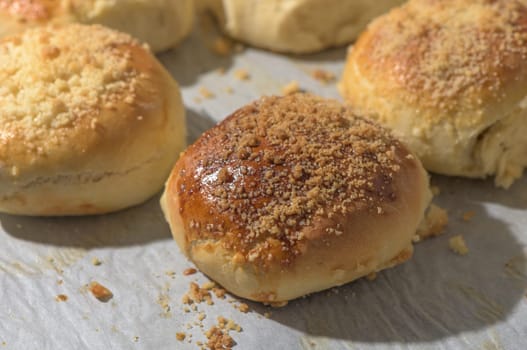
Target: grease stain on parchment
point(515, 267)
point(58, 260)
point(493, 343)
point(488, 309)
point(322, 343)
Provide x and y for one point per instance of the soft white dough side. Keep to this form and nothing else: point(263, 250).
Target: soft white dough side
point(299, 26)
point(160, 23)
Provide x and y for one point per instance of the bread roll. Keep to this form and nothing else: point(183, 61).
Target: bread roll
point(160, 23)
point(297, 26)
point(450, 77)
point(86, 126)
point(292, 195)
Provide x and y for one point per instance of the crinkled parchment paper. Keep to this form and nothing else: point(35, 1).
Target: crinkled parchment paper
point(437, 300)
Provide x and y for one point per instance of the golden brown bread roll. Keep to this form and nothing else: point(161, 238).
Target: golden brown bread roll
point(86, 126)
point(292, 195)
point(160, 23)
point(296, 26)
point(450, 78)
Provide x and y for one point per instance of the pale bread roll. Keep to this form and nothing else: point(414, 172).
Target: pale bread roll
point(450, 77)
point(160, 23)
point(86, 126)
point(293, 195)
point(297, 26)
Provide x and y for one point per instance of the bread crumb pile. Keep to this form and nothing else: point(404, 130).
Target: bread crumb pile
point(281, 164)
point(218, 336)
point(196, 294)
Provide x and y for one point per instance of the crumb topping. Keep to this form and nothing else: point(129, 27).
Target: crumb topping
point(445, 51)
point(55, 82)
point(281, 165)
point(30, 10)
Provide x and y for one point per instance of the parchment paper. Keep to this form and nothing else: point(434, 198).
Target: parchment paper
point(437, 300)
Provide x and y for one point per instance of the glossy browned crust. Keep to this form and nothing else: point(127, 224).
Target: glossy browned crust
point(295, 194)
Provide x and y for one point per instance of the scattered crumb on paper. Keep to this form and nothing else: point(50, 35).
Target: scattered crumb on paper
point(433, 224)
point(457, 245)
point(242, 74)
point(61, 298)
point(100, 292)
point(222, 46)
point(323, 76)
point(189, 271)
point(206, 93)
point(291, 88)
point(467, 216)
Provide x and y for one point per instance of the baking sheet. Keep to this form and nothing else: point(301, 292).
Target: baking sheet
point(437, 300)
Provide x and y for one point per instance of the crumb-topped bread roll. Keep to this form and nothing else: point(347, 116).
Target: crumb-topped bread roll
point(297, 26)
point(86, 126)
point(292, 195)
point(160, 23)
point(450, 77)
